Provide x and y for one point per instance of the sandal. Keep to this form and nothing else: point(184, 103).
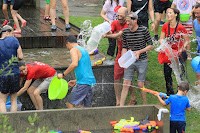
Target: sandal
point(23, 24)
point(17, 31)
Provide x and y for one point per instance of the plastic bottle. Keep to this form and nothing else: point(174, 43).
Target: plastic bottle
point(95, 38)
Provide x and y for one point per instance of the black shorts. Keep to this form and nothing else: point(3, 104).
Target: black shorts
point(18, 4)
point(160, 6)
point(177, 126)
point(10, 84)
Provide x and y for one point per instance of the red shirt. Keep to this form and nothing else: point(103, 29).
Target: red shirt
point(178, 35)
point(37, 70)
point(115, 28)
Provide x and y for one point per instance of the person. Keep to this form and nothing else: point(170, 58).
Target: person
point(135, 38)
point(17, 5)
point(159, 7)
point(109, 15)
point(162, 21)
point(117, 27)
point(65, 13)
point(176, 33)
point(82, 92)
point(179, 103)
point(47, 10)
point(145, 7)
point(5, 12)
point(9, 84)
point(41, 74)
point(186, 7)
point(196, 25)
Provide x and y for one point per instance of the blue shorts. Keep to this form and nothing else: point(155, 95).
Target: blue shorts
point(140, 67)
point(177, 126)
point(11, 2)
point(10, 84)
point(81, 95)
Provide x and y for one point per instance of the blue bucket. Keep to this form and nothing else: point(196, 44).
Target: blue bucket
point(195, 63)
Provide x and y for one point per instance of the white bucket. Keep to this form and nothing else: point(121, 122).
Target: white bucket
point(127, 59)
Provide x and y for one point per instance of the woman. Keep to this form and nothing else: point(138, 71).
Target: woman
point(16, 16)
point(175, 34)
point(144, 6)
point(108, 14)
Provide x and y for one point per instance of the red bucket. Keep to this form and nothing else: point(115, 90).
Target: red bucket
point(163, 57)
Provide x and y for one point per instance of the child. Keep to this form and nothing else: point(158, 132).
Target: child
point(179, 103)
point(5, 12)
point(186, 7)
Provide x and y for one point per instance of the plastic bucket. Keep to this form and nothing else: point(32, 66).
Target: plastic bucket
point(195, 63)
point(184, 17)
point(163, 56)
point(58, 89)
point(127, 59)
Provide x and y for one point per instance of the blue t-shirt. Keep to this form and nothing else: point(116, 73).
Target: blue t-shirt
point(83, 71)
point(8, 47)
point(178, 106)
point(197, 30)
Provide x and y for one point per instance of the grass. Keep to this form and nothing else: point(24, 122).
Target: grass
point(155, 76)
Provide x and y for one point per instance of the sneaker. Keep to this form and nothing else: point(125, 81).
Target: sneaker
point(14, 27)
point(161, 23)
point(6, 22)
point(53, 27)
point(67, 26)
point(23, 24)
point(17, 31)
point(155, 38)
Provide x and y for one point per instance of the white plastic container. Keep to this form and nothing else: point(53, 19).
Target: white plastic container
point(127, 59)
point(96, 35)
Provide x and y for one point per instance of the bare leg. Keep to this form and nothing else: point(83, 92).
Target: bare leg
point(13, 99)
point(3, 98)
point(117, 87)
point(65, 10)
point(163, 16)
point(124, 93)
point(14, 15)
point(143, 93)
point(198, 79)
point(38, 98)
point(157, 23)
point(53, 11)
point(20, 18)
point(5, 12)
point(69, 105)
point(30, 92)
point(47, 10)
point(132, 100)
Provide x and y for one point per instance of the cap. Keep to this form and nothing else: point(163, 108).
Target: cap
point(6, 28)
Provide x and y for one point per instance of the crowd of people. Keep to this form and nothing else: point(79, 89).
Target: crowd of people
point(130, 28)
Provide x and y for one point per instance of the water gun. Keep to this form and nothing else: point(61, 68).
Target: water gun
point(52, 131)
point(83, 131)
point(163, 95)
point(94, 52)
point(99, 62)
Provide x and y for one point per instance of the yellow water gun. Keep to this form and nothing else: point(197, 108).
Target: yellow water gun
point(99, 62)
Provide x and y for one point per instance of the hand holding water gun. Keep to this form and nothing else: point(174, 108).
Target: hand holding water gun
point(163, 95)
point(99, 62)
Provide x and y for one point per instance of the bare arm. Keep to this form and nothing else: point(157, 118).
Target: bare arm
point(25, 88)
point(103, 15)
point(151, 14)
point(129, 3)
point(186, 42)
point(173, 5)
point(162, 36)
point(19, 53)
point(21, 80)
point(138, 52)
point(115, 36)
point(161, 101)
point(124, 50)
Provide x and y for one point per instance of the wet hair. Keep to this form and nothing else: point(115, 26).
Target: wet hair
point(176, 11)
point(112, 2)
point(183, 86)
point(71, 39)
point(21, 63)
point(197, 6)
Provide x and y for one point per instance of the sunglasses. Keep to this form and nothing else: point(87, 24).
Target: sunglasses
point(9, 30)
point(130, 18)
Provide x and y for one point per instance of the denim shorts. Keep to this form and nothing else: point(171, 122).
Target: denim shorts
point(11, 2)
point(140, 67)
point(81, 95)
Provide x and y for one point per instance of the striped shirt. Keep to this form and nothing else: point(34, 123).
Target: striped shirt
point(137, 40)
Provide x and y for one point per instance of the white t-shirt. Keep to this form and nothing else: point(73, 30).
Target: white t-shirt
point(185, 7)
point(109, 9)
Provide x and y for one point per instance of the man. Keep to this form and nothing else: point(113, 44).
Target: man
point(117, 27)
point(42, 74)
point(9, 84)
point(135, 38)
point(82, 93)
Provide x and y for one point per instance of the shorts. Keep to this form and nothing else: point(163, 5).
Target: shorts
point(118, 71)
point(140, 67)
point(177, 126)
point(189, 29)
point(11, 2)
point(160, 6)
point(10, 84)
point(18, 4)
point(43, 83)
point(47, 1)
point(81, 95)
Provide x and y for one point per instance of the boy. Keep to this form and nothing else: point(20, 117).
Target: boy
point(179, 103)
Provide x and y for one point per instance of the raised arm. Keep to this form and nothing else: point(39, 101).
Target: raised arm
point(129, 4)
